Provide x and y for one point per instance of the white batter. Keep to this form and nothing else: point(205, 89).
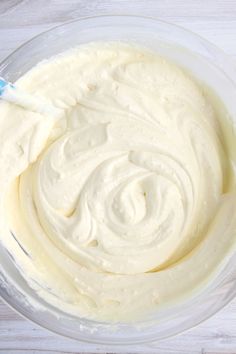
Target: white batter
point(127, 202)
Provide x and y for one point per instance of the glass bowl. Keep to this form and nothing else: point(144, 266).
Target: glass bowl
point(208, 64)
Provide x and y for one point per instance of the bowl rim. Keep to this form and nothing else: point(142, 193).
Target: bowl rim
point(84, 18)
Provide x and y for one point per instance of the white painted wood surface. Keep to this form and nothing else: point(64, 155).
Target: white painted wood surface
point(20, 20)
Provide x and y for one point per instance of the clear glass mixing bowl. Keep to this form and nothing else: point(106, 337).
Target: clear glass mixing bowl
point(208, 64)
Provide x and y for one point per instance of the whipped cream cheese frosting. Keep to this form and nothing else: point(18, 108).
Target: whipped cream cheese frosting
point(126, 203)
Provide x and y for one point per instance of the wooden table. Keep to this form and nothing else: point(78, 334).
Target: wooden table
point(213, 19)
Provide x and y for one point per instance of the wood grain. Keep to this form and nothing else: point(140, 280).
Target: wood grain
point(215, 20)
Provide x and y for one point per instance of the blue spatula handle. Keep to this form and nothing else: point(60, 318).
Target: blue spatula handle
point(3, 85)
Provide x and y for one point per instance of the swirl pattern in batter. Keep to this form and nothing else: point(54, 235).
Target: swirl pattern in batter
point(120, 206)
